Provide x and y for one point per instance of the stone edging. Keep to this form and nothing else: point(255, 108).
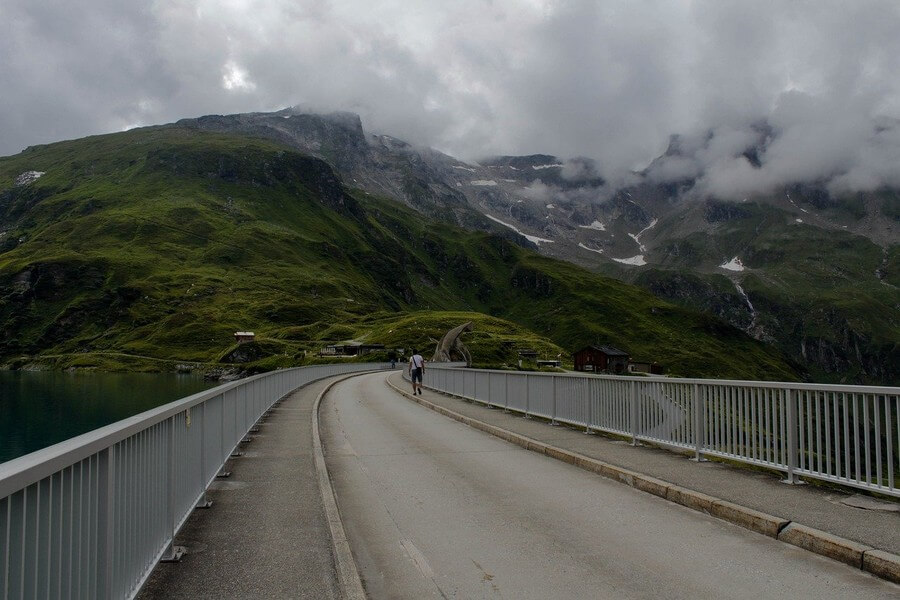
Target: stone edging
point(877, 562)
point(348, 576)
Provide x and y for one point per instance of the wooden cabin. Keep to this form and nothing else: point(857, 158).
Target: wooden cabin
point(601, 359)
point(350, 349)
point(242, 337)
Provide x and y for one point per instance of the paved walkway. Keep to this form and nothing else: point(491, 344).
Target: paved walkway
point(266, 535)
point(811, 505)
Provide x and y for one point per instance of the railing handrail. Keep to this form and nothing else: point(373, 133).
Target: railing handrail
point(796, 385)
point(844, 434)
point(66, 511)
point(25, 470)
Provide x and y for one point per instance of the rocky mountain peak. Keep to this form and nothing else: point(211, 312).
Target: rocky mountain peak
point(336, 137)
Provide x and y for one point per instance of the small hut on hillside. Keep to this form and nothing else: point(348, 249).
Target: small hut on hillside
point(601, 359)
point(242, 337)
point(350, 349)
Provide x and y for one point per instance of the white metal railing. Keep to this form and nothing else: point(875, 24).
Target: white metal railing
point(91, 516)
point(841, 433)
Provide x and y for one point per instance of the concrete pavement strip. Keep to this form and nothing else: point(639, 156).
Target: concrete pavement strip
point(885, 565)
point(349, 580)
point(274, 531)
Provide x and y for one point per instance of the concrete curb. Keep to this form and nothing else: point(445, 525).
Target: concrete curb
point(825, 544)
point(877, 562)
point(348, 576)
point(883, 564)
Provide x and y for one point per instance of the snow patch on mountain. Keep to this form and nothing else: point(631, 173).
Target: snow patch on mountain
point(531, 238)
point(539, 167)
point(598, 251)
point(734, 264)
point(637, 237)
point(637, 261)
point(791, 200)
point(483, 182)
point(28, 177)
point(595, 225)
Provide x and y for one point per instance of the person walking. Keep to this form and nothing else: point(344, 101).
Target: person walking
point(416, 370)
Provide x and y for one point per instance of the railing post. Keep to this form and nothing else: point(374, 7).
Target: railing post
point(204, 502)
point(506, 392)
point(223, 449)
point(698, 410)
point(489, 405)
point(106, 482)
point(553, 420)
point(590, 417)
point(222, 472)
point(527, 396)
point(634, 413)
point(235, 452)
point(792, 449)
point(171, 553)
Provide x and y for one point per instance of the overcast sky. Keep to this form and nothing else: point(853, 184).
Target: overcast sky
point(606, 79)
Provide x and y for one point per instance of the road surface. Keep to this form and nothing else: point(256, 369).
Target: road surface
point(436, 509)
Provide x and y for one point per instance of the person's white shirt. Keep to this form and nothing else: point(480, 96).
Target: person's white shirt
point(416, 361)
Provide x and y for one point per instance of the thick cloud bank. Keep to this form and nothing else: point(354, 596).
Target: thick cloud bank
point(760, 92)
point(805, 139)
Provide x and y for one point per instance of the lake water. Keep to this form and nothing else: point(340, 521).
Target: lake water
point(38, 409)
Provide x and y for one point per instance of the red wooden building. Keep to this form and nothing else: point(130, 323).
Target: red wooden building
point(601, 359)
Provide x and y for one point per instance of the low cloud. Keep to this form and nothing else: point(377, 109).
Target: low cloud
point(804, 140)
point(553, 194)
point(539, 191)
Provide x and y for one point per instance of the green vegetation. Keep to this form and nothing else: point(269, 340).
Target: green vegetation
point(493, 342)
point(149, 248)
point(816, 293)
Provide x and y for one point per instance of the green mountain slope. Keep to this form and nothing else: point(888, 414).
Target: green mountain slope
point(829, 298)
point(825, 297)
point(162, 242)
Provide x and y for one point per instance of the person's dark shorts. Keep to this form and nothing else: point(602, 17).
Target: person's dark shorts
point(416, 375)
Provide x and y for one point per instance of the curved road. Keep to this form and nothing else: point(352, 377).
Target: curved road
point(435, 509)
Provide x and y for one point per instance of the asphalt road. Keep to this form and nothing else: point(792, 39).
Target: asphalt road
point(435, 509)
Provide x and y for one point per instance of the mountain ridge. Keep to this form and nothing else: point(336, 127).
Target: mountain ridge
point(161, 242)
point(660, 235)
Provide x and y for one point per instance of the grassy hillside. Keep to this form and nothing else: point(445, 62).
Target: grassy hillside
point(162, 242)
point(827, 297)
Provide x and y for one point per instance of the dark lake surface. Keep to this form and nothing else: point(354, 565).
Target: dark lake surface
point(38, 409)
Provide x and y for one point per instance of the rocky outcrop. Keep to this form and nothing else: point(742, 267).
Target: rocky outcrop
point(720, 212)
point(451, 348)
point(337, 138)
